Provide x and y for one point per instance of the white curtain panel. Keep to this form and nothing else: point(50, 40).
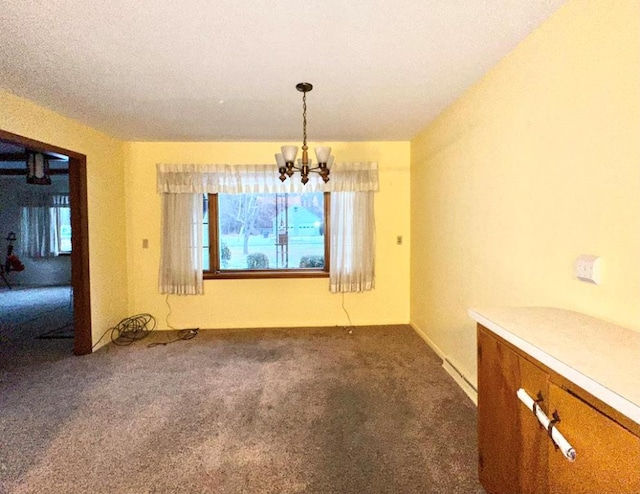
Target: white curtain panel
point(352, 218)
point(353, 237)
point(38, 232)
point(181, 247)
point(40, 223)
point(353, 232)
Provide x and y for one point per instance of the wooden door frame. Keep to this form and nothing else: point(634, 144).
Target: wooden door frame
point(82, 340)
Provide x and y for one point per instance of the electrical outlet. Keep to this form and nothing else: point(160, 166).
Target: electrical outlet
point(399, 240)
point(145, 243)
point(588, 269)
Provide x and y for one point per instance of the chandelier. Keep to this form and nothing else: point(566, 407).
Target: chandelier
point(38, 168)
point(287, 159)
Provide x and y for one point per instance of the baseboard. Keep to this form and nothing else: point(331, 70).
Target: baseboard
point(459, 378)
point(428, 340)
point(449, 368)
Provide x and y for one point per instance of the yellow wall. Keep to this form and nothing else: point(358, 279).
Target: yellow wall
point(536, 164)
point(105, 177)
point(271, 302)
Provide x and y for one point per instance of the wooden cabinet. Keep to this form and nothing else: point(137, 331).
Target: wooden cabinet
point(516, 455)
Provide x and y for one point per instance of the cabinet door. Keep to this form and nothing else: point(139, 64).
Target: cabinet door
point(607, 455)
point(512, 445)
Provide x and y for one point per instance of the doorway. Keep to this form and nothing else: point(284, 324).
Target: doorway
point(80, 286)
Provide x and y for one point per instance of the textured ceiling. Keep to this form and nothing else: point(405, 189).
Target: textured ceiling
point(188, 70)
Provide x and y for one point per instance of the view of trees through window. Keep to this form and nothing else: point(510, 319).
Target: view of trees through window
point(267, 231)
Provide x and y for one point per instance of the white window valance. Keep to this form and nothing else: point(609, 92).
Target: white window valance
point(257, 179)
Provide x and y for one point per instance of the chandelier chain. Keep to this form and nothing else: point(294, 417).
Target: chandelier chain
point(304, 119)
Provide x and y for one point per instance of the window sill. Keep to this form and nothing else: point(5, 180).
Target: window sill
point(258, 274)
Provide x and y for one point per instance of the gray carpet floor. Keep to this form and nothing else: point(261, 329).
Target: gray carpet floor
point(30, 312)
point(239, 411)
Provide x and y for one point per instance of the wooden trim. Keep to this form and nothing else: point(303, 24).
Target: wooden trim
point(263, 274)
point(80, 281)
point(13, 157)
point(23, 172)
point(37, 145)
point(82, 342)
point(214, 246)
point(327, 232)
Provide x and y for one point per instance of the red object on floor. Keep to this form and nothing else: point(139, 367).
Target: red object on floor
point(14, 264)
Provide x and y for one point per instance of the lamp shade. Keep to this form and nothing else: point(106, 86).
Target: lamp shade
point(330, 161)
point(289, 153)
point(323, 153)
point(280, 161)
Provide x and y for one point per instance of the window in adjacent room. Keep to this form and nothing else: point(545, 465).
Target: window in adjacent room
point(63, 226)
point(266, 235)
point(46, 226)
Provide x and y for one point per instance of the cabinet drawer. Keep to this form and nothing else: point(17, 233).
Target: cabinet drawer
point(608, 455)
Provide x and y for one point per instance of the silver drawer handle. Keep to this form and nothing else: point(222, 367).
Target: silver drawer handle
point(558, 439)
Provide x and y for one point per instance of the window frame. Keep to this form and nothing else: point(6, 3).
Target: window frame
point(217, 272)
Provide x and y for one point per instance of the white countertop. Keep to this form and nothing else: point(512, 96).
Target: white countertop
point(600, 357)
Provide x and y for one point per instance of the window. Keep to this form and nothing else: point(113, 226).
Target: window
point(46, 226)
point(63, 226)
point(349, 234)
point(266, 235)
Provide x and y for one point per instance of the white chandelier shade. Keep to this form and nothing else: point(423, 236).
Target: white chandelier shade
point(289, 153)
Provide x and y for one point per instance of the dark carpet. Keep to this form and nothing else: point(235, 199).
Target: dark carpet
point(63, 332)
point(35, 312)
point(239, 411)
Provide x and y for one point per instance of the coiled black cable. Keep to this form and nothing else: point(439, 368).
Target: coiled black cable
point(130, 329)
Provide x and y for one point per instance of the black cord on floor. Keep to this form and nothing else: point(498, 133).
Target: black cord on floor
point(183, 334)
point(130, 329)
